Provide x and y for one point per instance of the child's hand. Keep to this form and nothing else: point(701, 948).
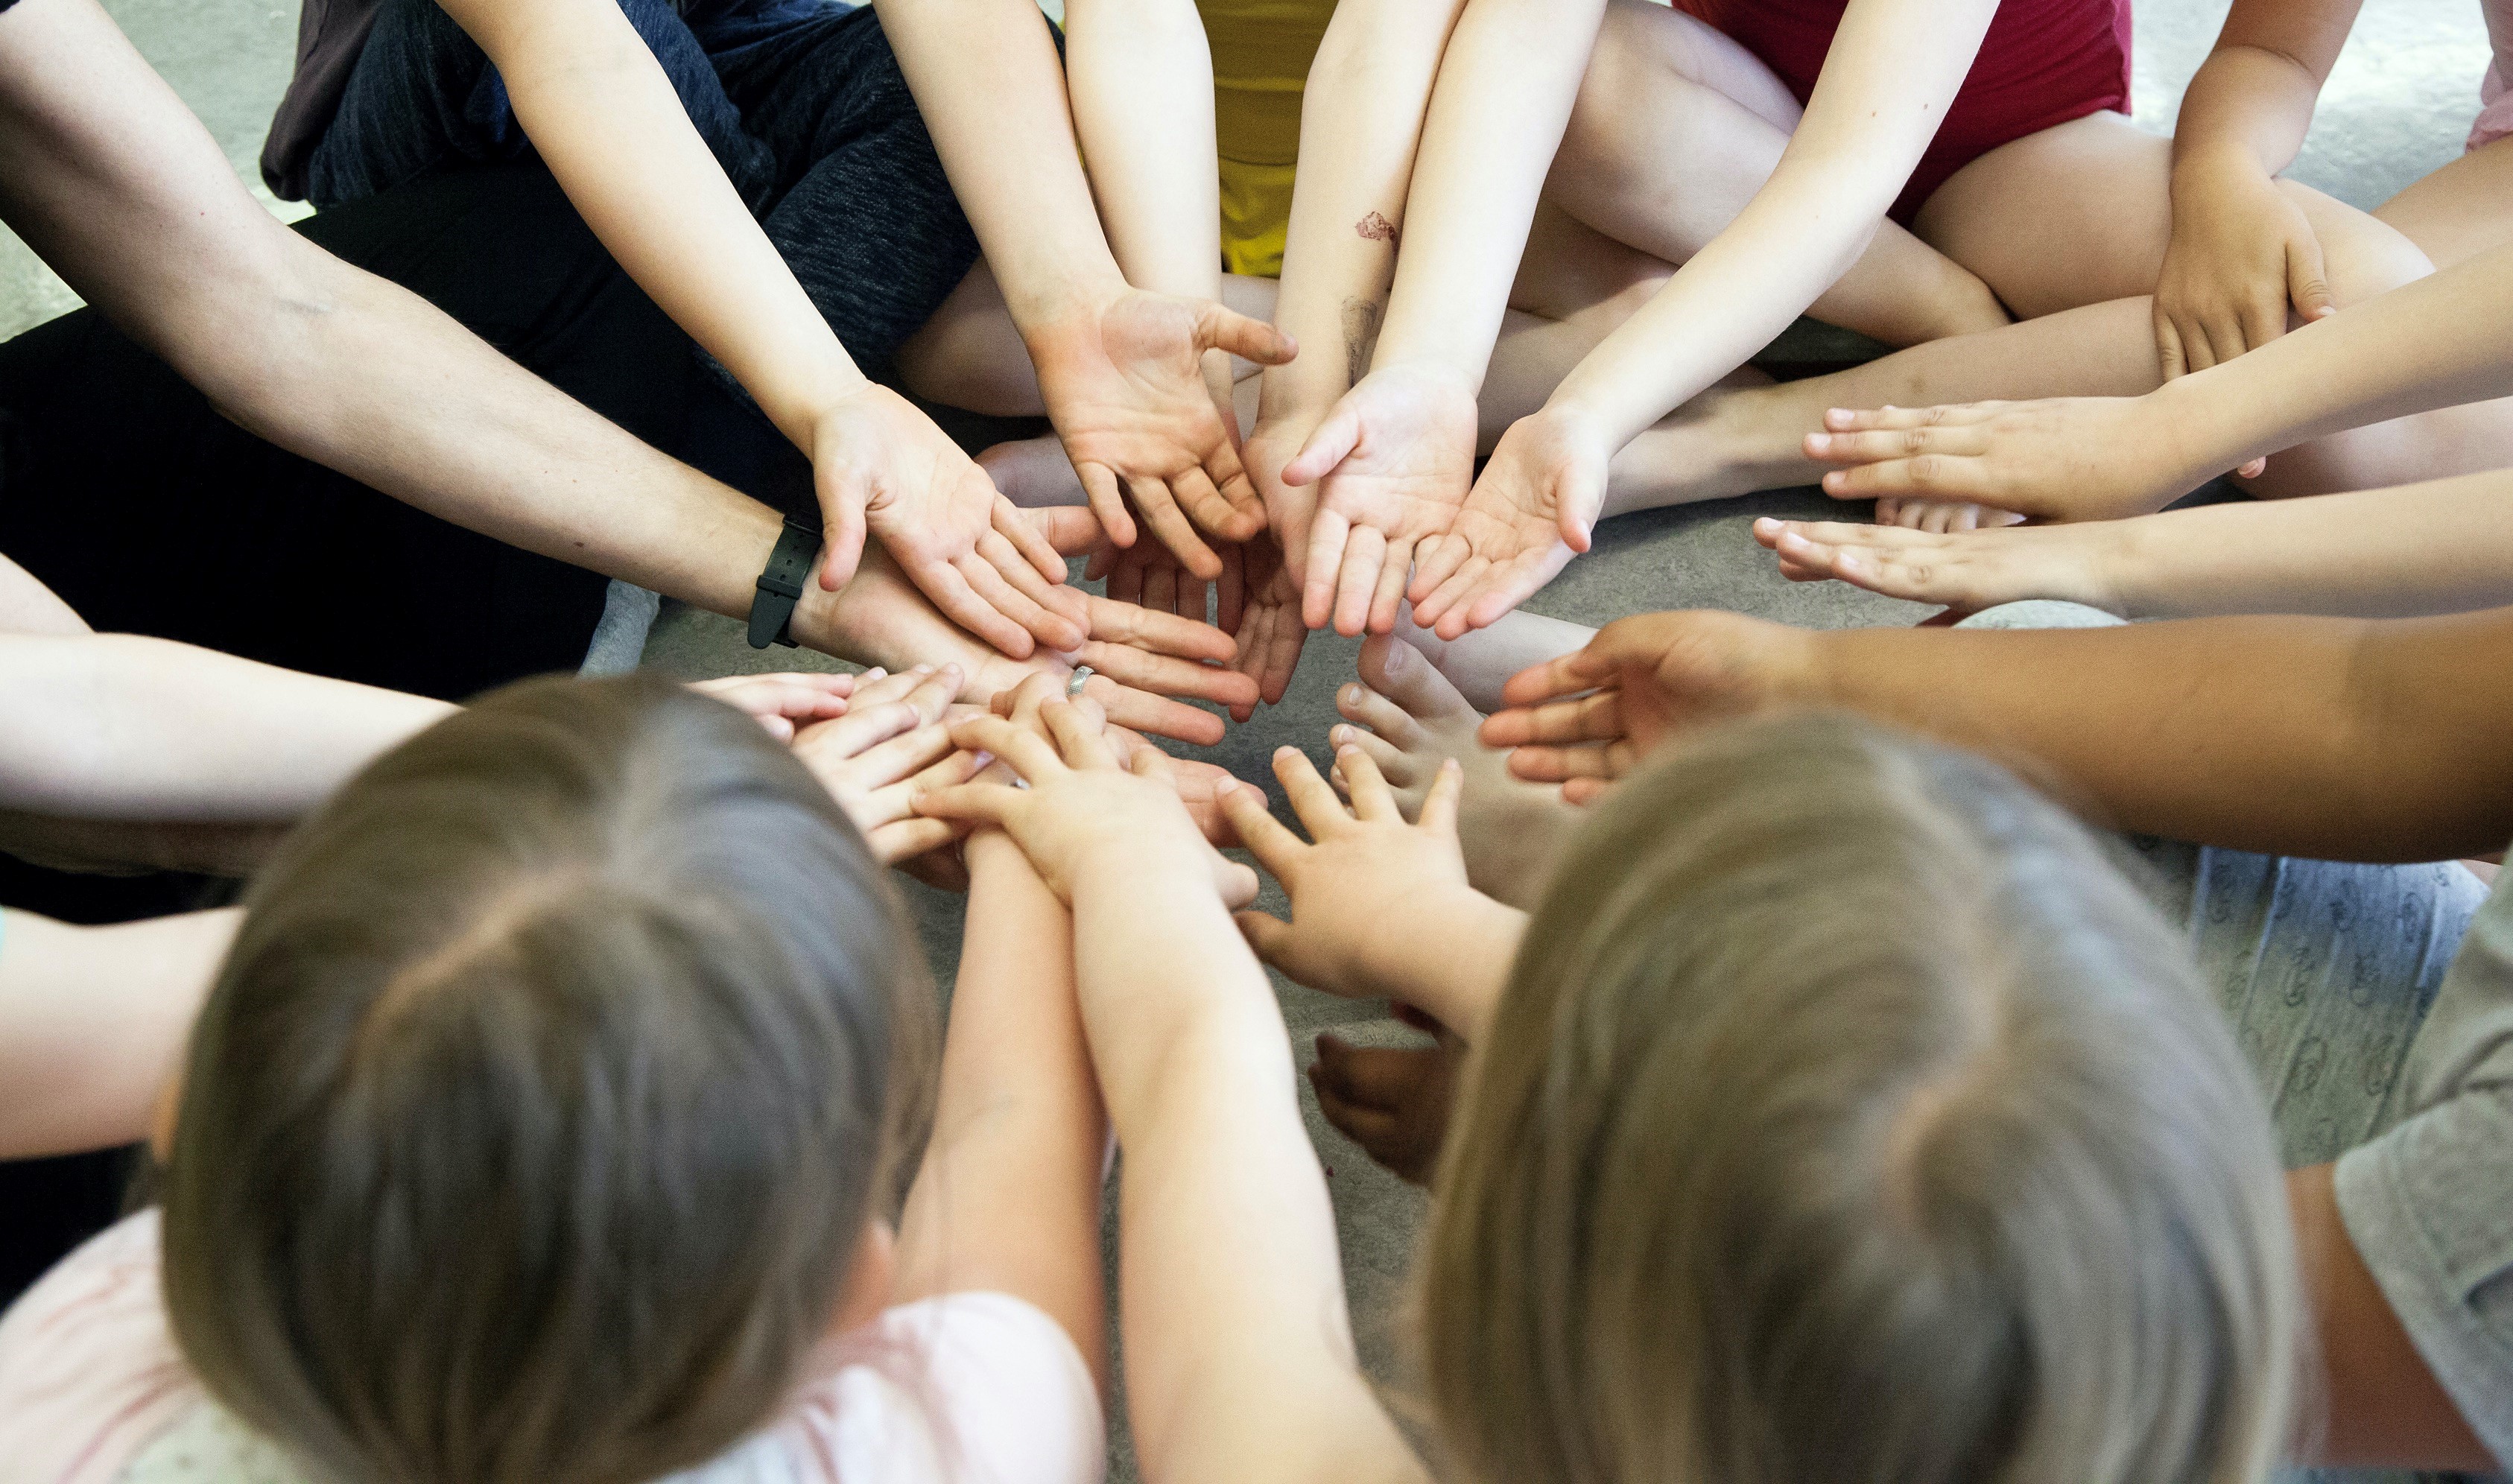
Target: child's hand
point(784, 701)
point(1358, 893)
point(889, 748)
point(1083, 815)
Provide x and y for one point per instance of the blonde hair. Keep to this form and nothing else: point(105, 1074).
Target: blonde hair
point(545, 1098)
point(1849, 1119)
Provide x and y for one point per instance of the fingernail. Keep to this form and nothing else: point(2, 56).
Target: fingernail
point(1817, 443)
point(875, 673)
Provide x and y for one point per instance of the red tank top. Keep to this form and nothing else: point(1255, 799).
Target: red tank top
point(2042, 62)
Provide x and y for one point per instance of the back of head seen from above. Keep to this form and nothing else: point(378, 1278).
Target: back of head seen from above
point(1848, 1117)
point(554, 1080)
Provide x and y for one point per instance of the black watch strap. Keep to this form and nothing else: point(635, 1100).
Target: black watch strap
point(780, 586)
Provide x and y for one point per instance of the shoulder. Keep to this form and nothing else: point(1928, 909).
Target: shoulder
point(89, 1372)
point(968, 1388)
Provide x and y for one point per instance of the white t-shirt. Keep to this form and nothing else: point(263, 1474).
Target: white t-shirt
point(968, 1388)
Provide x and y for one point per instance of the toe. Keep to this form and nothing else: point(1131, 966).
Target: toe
point(1403, 770)
point(1399, 672)
point(1360, 703)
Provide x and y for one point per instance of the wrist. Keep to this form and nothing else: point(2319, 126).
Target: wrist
point(2211, 164)
point(1069, 305)
point(1456, 968)
point(2194, 426)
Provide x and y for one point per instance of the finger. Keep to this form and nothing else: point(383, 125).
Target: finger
point(1435, 560)
point(1251, 339)
point(2254, 469)
point(1395, 569)
point(1027, 752)
point(1931, 476)
point(1161, 633)
point(949, 585)
point(1372, 798)
point(834, 742)
point(1897, 445)
point(1329, 535)
point(1176, 532)
point(1145, 712)
point(1381, 750)
point(1160, 588)
point(1100, 482)
point(1581, 669)
point(1589, 718)
point(1076, 727)
point(1270, 939)
point(878, 768)
point(1584, 790)
point(2198, 345)
point(1281, 656)
point(1315, 803)
point(2308, 282)
point(1454, 593)
point(2171, 357)
point(842, 532)
point(1027, 540)
point(1231, 518)
point(1440, 805)
point(1002, 576)
point(2264, 319)
point(1165, 676)
point(1274, 845)
point(1330, 443)
point(1068, 530)
point(1845, 419)
point(906, 839)
point(1365, 554)
point(1230, 609)
point(1503, 589)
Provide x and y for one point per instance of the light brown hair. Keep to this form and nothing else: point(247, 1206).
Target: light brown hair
point(1849, 1119)
point(544, 1098)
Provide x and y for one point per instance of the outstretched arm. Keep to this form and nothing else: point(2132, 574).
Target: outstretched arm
point(1239, 1355)
point(1361, 122)
point(1121, 367)
point(2444, 547)
point(600, 112)
point(2340, 739)
point(93, 1023)
point(1893, 68)
point(1008, 1198)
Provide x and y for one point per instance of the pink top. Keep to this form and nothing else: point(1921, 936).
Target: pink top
point(990, 1391)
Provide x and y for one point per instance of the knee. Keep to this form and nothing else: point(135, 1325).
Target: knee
point(1630, 60)
point(2360, 256)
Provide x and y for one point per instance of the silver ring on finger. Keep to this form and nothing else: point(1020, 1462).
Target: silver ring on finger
point(1082, 673)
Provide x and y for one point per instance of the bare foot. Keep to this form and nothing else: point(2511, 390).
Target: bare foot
point(1734, 438)
point(1480, 661)
point(1033, 473)
point(1409, 718)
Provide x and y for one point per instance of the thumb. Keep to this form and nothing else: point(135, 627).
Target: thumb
point(1576, 499)
point(1217, 328)
point(842, 538)
point(1268, 936)
point(1331, 444)
point(2306, 284)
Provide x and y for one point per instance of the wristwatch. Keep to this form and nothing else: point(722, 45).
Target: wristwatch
point(780, 586)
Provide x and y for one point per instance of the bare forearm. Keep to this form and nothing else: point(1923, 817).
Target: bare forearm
point(119, 727)
point(985, 75)
point(1009, 1195)
point(2256, 90)
point(92, 1022)
point(2441, 548)
point(1507, 81)
point(2338, 739)
point(600, 111)
point(1140, 77)
point(1361, 123)
point(1453, 959)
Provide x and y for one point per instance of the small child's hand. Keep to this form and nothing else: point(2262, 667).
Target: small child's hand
point(886, 750)
point(782, 702)
point(1356, 892)
point(1084, 817)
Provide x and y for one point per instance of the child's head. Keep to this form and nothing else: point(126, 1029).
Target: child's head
point(1848, 1118)
point(545, 1100)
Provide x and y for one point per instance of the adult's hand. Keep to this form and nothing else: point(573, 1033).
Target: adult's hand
point(1392, 462)
point(2241, 252)
point(1124, 385)
point(1591, 716)
point(882, 466)
point(1144, 662)
point(1531, 511)
point(2060, 459)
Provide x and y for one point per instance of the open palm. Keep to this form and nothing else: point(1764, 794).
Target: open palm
point(884, 467)
point(1527, 515)
point(1391, 463)
point(1126, 390)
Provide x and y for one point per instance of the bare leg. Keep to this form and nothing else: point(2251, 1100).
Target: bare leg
point(2460, 211)
point(1410, 719)
point(1675, 130)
